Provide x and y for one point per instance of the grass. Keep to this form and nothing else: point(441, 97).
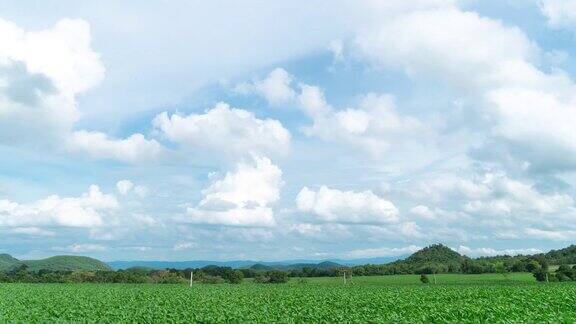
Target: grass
point(456, 298)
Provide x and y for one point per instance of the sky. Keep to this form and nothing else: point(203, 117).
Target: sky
point(274, 130)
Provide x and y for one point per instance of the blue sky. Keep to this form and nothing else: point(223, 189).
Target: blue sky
point(266, 130)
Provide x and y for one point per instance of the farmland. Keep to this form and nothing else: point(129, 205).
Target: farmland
point(471, 298)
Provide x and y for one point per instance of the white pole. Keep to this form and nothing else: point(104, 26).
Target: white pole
point(344, 273)
point(191, 277)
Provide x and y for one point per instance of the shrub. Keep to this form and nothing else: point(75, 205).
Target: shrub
point(424, 279)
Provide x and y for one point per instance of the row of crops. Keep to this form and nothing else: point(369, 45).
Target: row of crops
point(554, 302)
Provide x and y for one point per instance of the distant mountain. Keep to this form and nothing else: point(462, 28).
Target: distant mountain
point(237, 264)
point(7, 262)
point(56, 263)
point(66, 262)
point(437, 256)
point(117, 265)
point(435, 253)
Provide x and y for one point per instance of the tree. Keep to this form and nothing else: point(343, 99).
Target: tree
point(236, 277)
point(501, 268)
point(424, 278)
point(276, 276)
point(540, 274)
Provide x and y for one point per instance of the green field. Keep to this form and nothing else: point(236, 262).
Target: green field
point(456, 298)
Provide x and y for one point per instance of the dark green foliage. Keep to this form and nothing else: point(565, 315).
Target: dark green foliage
point(236, 277)
point(272, 276)
point(7, 262)
point(66, 263)
point(56, 263)
point(562, 256)
point(424, 279)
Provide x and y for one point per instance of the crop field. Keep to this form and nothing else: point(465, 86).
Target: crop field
point(455, 298)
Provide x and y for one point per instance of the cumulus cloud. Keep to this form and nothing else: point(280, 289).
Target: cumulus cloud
point(490, 204)
point(275, 88)
point(87, 210)
point(124, 186)
point(226, 131)
point(374, 126)
point(41, 72)
point(493, 69)
point(242, 197)
point(133, 149)
point(560, 13)
point(332, 205)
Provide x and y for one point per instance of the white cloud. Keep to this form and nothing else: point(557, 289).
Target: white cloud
point(225, 130)
point(81, 248)
point(552, 235)
point(475, 252)
point(374, 127)
point(332, 205)
point(84, 211)
point(382, 252)
point(275, 88)
point(183, 246)
point(242, 197)
point(560, 13)
point(493, 69)
point(124, 186)
point(488, 203)
point(336, 47)
point(462, 48)
point(141, 191)
point(509, 196)
point(312, 100)
point(41, 72)
point(133, 149)
point(423, 211)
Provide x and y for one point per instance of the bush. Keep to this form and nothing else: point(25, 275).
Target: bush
point(273, 276)
point(208, 279)
point(424, 279)
point(277, 276)
point(236, 277)
point(540, 275)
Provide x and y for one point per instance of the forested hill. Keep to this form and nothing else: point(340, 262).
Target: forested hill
point(7, 261)
point(439, 258)
point(434, 258)
point(56, 263)
point(562, 256)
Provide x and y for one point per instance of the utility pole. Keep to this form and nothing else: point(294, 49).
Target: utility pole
point(191, 277)
point(344, 273)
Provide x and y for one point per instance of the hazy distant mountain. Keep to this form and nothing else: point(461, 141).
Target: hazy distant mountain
point(285, 264)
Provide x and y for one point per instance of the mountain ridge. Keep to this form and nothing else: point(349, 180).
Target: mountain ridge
point(120, 265)
point(54, 263)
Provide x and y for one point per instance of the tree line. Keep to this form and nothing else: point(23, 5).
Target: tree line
point(206, 275)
